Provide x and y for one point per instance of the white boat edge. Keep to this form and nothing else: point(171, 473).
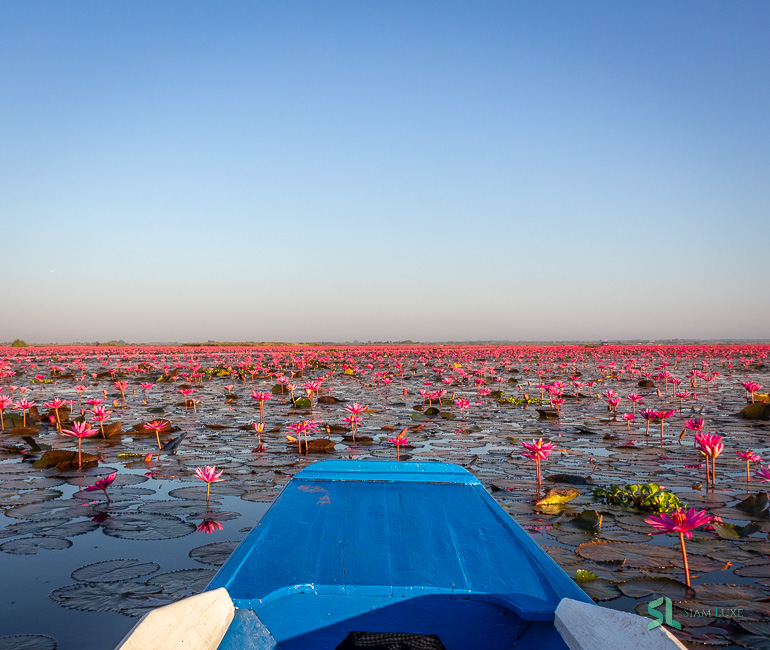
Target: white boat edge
point(201, 622)
point(585, 626)
point(196, 623)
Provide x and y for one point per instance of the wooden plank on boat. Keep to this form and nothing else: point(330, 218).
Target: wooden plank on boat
point(196, 623)
point(585, 626)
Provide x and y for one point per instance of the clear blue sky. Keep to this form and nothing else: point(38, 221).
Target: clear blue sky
point(176, 171)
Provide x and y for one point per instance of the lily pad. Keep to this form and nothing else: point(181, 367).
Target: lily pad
point(733, 531)
point(214, 554)
point(751, 641)
point(761, 628)
point(27, 642)
point(31, 545)
point(755, 505)
point(556, 496)
point(109, 596)
point(753, 571)
point(114, 571)
point(637, 556)
point(183, 583)
point(572, 479)
point(601, 590)
point(641, 587)
point(198, 492)
point(145, 526)
point(29, 527)
point(35, 496)
point(724, 595)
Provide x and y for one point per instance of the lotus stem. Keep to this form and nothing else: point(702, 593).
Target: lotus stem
point(684, 560)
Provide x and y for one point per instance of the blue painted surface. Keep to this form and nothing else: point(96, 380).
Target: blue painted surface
point(381, 470)
point(402, 547)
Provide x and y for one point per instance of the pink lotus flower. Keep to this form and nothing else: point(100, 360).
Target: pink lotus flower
point(261, 397)
point(209, 526)
point(354, 421)
point(147, 387)
point(156, 426)
point(711, 446)
point(355, 408)
point(693, 425)
point(648, 414)
point(259, 428)
point(186, 392)
point(763, 474)
point(635, 399)
point(80, 430)
point(751, 388)
point(102, 484)
point(210, 475)
point(24, 404)
point(750, 457)
point(121, 386)
point(399, 441)
point(462, 404)
point(537, 450)
point(663, 416)
point(100, 415)
point(680, 522)
point(299, 428)
point(6, 402)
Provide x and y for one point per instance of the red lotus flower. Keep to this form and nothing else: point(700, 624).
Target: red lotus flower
point(80, 430)
point(663, 416)
point(648, 414)
point(635, 399)
point(750, 457)
point(693, 425)
point(210, 475)
point(355, 408)
point(261, 397)
point(121, 386)
point(5, 403)
point(751, 388)
point(209, 526)
point(24, 404)
point(537, 450)
point(147, 387)
point(399, 440)
point(102, 484)
point(680, 522)
point(157, 426)
point(462, 403)
point(763, 474)
point(711, 446)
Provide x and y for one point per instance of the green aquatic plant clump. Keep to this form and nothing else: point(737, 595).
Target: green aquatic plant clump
point(648, 497)
point(520, 401)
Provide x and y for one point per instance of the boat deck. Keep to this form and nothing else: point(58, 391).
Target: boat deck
point(385, 546)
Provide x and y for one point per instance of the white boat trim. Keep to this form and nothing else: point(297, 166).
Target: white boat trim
point(585, 626)
point(196, 623)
